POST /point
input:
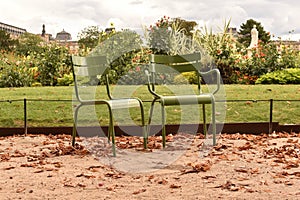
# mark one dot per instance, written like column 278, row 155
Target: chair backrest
column 180, row 63
column 87, row 72
column 166, row 65
column 89, row 66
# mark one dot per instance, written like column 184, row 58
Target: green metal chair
column 86, row 72
column 162, row 65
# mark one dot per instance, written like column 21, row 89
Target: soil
column 238, row 167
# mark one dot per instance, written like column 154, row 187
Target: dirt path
column 239, row 167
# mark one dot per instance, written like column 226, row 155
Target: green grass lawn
column 42, row 110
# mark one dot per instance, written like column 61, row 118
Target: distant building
column 63, row 36
column 233, row 31
column 65, row 39
column 281, row 43
column 12, row 30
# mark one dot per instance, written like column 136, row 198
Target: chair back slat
column 179, row 63
column 89, row 66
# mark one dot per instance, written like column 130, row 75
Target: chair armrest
column 218, row 76
column 150, row 84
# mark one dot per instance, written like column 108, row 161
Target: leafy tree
column 121, row 48
column 245, row 32
column 53, row 62
column 186, row 26
column 29, row 43
column 89, row 37
column 6, row 43
column 161, row 36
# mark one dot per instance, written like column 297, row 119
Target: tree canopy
column 28, row 43
column 6, row 43
column 89, row 37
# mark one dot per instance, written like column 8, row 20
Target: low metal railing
column 270, row 104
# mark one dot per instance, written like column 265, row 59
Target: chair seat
column 187, row 99
column 123, row 103
column 115, row 103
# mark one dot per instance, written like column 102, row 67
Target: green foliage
column 120, row 48
column 66, row 80
column 286, row 76
column 29, row 43
column 222, row 48
column 171, row 36
column 89, row 37
column 6, row 43
column 186, row 78
column 264, row 59
column 245, row 32
column 52, row 63
column 16, row 71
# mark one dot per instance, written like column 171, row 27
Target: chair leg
column 163, row 125
column 204, row 120
column 144, row 131
column 214, row 126
column 73, row 134
column 150, row 117
column 111, row 131
column 74, row 131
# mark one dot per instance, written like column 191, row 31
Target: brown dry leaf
column 47, row 142
column 18, row 153
column 297, row 174
column 9, row 168
column 139, row 191
column 229, row 186
column 19, row 190
column 241, row 169
column 288, row 182
column 198, row 167
column 220, row 147
column 254, row 171
column 29, row 165
column 39, row 171
column 86, row 175
column 208, row 177
column 282, row 174
column 291, row 164
column 110, row 188
column 162, row 181
column 114, row 175
column 95, row 168
column 67, row 184
column 5, row 157
column 81, row 185
column 246, row 146
column 175, row 186
column 150, row 177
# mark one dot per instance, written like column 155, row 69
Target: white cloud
column 277, row 16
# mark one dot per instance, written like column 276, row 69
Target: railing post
column 271, row 117
column 25, row 116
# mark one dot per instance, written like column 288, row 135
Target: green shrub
column 286, row 76
column 52, row 63
column 185, row 78
column 16, row 71
column 66, row 80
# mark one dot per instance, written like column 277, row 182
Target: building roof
column 63, row 35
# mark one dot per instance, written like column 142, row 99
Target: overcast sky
column 279, row 17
